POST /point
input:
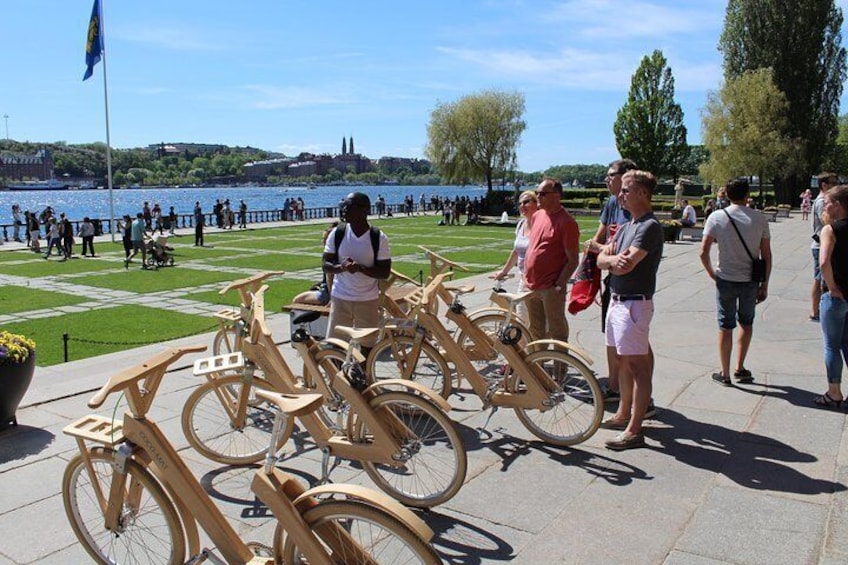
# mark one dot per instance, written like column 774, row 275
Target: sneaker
column 611, row 396
column 651, row 412
column 625, row 441
column 718, row 378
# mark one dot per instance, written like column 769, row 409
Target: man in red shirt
column 552, row 257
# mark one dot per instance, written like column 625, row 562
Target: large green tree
column 476, row 137
column 649, row 127
column 744, row 130
column 802, row 43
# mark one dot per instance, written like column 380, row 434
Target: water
column 77, row 204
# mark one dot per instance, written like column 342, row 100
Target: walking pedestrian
column 137, row 231
column 198, row 225
column 86, row 233
column 826, row 180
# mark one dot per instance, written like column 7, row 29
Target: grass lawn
column 168, row 278
column 229, row 256
column 106, row 331
column 20, row 299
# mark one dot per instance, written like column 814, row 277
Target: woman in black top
column 833, row 259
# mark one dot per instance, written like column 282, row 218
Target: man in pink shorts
column 632, row 260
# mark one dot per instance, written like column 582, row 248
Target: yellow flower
column 15, row 348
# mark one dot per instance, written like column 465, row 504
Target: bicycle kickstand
column 481, row 431
column 325, row 466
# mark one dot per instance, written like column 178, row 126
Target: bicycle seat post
column 271, row 457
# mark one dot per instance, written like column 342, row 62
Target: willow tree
column 744, row 129
column 476, row 137
column 649, row 127
column 802, row 43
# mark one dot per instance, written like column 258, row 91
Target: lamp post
column 6, row 117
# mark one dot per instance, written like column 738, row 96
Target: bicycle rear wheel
column 334, row 411
column 496, row 366
column 149, row 527
column 577, row 405
column 400, row 358
column 225, row 340
column 208, row 422
column 432, row 453
column 380, row 537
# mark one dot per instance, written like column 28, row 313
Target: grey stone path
column 747, row 475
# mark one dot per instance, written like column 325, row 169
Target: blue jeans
column 735, row 300
column 833, row 313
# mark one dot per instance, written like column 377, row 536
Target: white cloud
column 275, row 98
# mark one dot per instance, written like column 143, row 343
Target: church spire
column 344, row 145
column 351, row 146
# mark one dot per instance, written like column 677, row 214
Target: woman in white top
column 527, row 205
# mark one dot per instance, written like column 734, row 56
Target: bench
column 772, row 216
column 695, row 232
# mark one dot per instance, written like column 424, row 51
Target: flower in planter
column 671, row 223
column 15, row 348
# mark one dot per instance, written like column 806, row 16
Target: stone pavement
column 749, row 474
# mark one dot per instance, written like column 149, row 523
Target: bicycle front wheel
column 149, row 529
column 399, row 357
column 431, row 461
column 355, row 533
column 209, row 421
column 576, row 406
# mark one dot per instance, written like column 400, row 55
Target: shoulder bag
column 758, row 266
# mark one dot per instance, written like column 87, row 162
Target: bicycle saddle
column 306, row 317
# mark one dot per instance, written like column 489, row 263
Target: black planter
column 671, row 233
column 14, row 382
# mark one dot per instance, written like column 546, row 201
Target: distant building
column 391, row 165
column 260, row 170
column 33, row 167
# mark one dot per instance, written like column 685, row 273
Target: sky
column 293, row 76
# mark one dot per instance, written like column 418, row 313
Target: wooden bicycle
column 547, row 382
column 397, row 430
column 129, row 496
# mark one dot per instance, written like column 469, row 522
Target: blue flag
column 94, row 41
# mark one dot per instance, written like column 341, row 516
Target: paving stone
column 42, row 530
column 681, row 558
column 31, row 483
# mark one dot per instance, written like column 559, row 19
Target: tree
column 475, row 138
column 802, row 43
column 649, row 127
column 744, row 129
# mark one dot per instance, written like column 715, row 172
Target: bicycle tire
column 576, row 415
column 225, row 341
column 389, row 358
column 490, row 323
column 151, row 531
column 438, row 462
column 329, row 361
column 384, row 538
column 207, row 424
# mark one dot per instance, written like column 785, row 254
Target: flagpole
column 112, row 223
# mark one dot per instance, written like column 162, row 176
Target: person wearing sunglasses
column 632, row 259
column 527, row 206
column 552, row 256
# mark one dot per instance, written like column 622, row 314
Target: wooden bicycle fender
column 375, row 499
column 413, row 388
column 579, row 353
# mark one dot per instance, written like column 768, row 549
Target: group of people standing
column 58, row 231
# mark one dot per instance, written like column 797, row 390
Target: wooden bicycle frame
column 280, row 492
column 538, row 385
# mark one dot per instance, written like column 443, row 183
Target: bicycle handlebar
column 153, row 367
column 447, row 262
column 250, row 281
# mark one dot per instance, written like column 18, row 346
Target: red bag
column 587, row 284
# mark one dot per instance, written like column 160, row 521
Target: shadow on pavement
column 458, row 541
column 20, row 442
column 750, row 460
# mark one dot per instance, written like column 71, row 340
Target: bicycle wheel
column 335, row 410
column 495, row 366
column 207, row 421
column 381, row 538
column 577, row 405
column 149, row 527
column 432, row 456
column 225, row 341
column 399, row 358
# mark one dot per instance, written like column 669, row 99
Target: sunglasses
column 611, row 176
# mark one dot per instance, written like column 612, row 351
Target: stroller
column 159, row 253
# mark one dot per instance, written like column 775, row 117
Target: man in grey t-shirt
column 736, row 294
column 632, row 259
column 826, row 180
